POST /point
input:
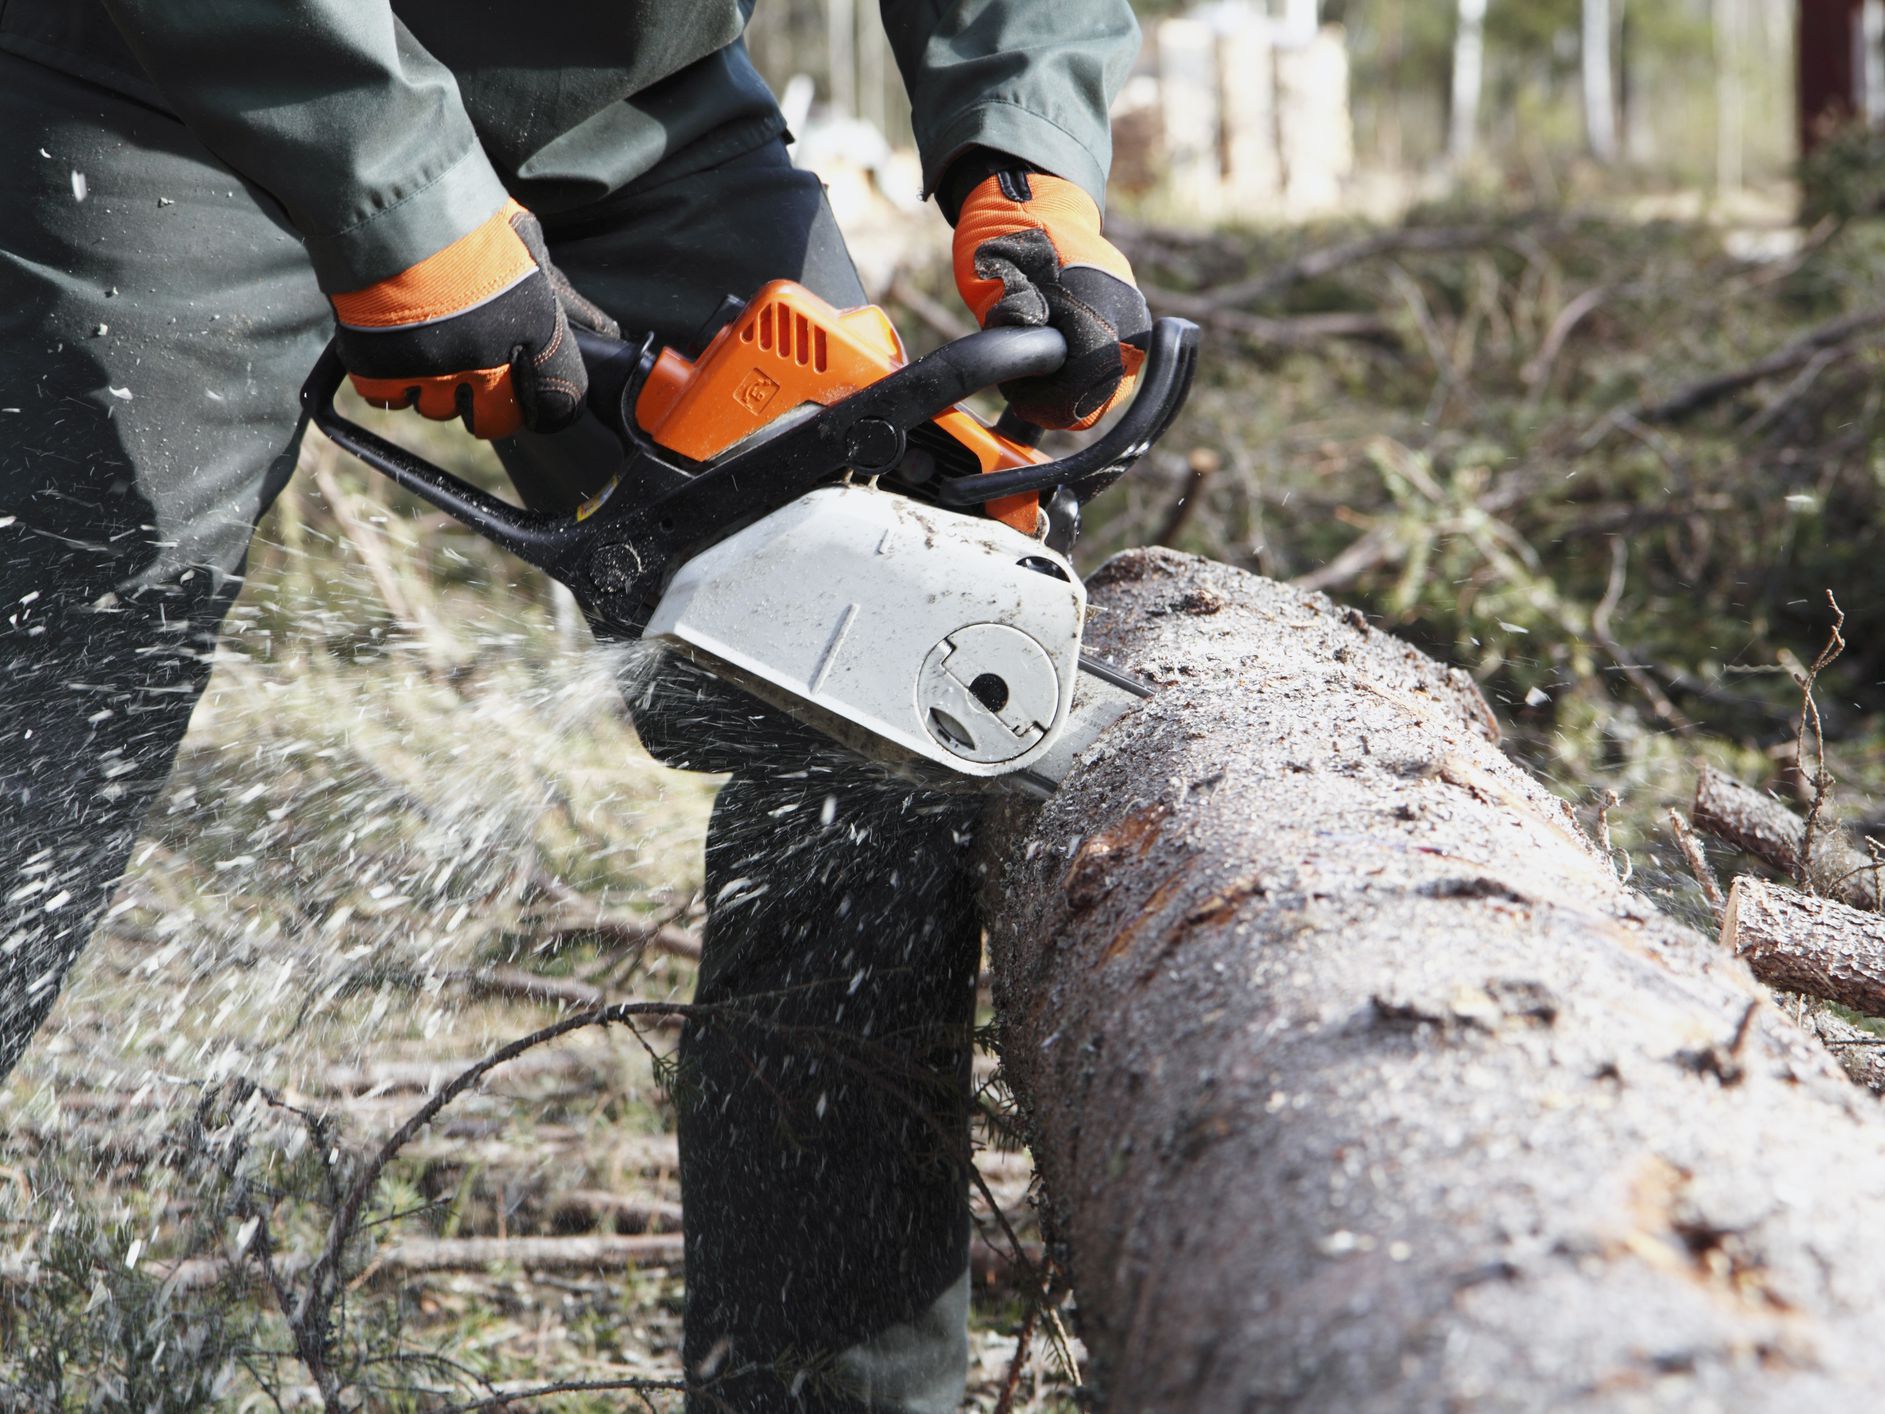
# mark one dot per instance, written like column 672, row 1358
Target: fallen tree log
column 1357, row 1081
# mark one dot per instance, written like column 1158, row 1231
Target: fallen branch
column 596, row 1252
column 1754, row 821
column 1283, row 331
column 989, row 1265
column 1601, row 634
column 1200, row 465
column 529, row 986
column 946, row 321
column 1697, row 860
column 1318, row 264
column 395, row 1077
column 508, row 1395
column 579, row 914
column 1536, row 374
column 1799, row 942
column 323, row 1286
column 1708, row 391
column 600, row 1205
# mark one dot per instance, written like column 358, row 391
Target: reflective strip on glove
column 1028, row 252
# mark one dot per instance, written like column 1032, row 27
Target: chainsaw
column 814, row 518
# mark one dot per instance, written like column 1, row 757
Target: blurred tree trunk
column 1599, row 86
column 1730, row 96
column 1357, row 1081
column 1469, row 66
column 873, row 50
column 841, row 55
column 1830, row 76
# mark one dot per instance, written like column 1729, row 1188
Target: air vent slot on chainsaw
column 791, row 335
column 947, row 456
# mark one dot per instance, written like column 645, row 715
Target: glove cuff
column 968, row 172
column 479, row 266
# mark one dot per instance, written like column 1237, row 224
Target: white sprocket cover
column 951, row 635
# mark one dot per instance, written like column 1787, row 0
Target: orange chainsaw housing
column 787, row 348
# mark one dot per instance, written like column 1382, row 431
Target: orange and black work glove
column 478, row 330
column 1028, row 252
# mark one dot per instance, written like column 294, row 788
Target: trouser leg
column 823, row 1121
column 150, row 337
column 823, row 1107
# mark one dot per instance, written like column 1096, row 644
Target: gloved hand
column 479, row 330
column 1028, row 252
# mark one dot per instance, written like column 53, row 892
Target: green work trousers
column 153, row 335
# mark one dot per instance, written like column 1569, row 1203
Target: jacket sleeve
column 332, row 108
column 1032, row 78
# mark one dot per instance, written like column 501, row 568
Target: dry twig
column 1317, row 264
column 1810, row 714
column 1610, row 802
column 1697, row 860
column 311, row 1315
column 1200, row 465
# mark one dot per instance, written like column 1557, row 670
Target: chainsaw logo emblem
column 756, row 390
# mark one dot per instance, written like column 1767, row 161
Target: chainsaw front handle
column 1171, row 358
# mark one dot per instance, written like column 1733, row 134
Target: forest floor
column 1611, row 468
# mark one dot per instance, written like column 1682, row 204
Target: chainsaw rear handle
column 533, row 536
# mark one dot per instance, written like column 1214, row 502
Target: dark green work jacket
column 389, row 128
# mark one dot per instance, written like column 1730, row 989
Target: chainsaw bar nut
column 988, row 692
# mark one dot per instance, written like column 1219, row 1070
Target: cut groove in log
column 1802, row 943
column 1355, row 1079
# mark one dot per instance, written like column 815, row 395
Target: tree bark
column 1730, row 96
column 1356, row 1080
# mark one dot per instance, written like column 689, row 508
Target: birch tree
column 1599, row 83
column 1469, row 66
